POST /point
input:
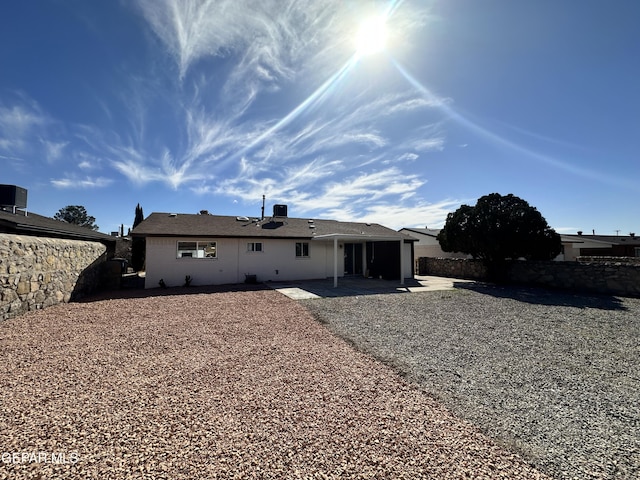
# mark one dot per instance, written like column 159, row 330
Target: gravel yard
column 552, row 376
column 233, row 384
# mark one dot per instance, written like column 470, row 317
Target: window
column 637, row 250
column 254, row 247
column 302, row 249
column 197, row 250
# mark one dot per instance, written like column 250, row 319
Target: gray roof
column 610, row 239
column 430, row 232
column 189, row 225
column 21, row 223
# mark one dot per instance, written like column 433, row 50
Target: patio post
column 335, row 262
column 401, row 262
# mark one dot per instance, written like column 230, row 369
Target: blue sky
column 189, row 105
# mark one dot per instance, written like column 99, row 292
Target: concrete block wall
column 37, row 272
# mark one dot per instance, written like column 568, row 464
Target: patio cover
column 368, row 238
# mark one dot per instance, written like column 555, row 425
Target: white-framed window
column 302, row 249
column 254, row 247
column 197, row 250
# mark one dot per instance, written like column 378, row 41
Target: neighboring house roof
column 21, row 223
column 190, row 225
column 429, row 232
column 603, row 239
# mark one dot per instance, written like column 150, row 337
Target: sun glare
column 372, row 36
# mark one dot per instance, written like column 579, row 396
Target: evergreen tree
column 76, row 215
column 139, row 216
column 498, row 228
column 138, row 244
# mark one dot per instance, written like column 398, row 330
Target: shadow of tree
column 543, row 296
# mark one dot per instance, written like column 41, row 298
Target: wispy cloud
column 419, row 214
column 21, row 119
column 264, row 98
column 85, row 182
column 53, row 150
column 266, row 34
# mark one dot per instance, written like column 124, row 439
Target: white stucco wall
column 572, row 247
column 277, row 261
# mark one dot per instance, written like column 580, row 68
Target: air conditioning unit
column 13, row 196
column 279, row 210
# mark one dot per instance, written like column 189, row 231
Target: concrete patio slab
column 297, row 293
column 355, row 286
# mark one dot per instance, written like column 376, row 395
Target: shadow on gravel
column 164, row 292
column 542, row 296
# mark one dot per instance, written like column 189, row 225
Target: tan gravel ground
column 235, row 384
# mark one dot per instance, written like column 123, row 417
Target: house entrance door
column 353, row 259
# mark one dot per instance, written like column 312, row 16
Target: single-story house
column 574, row 246
column 427, row 244
column 216, row 249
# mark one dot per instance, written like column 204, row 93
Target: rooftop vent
column 242, row 219
column 279, row 210
column 13, row 197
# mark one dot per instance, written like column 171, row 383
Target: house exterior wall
column 276, row 262
column 573, row 250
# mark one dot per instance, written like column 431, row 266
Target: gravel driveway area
column 552, row 376
column 218, row 384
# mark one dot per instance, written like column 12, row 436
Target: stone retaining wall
column 610, row 260
column 452, row 267
column 612, row 276
column 36, row 272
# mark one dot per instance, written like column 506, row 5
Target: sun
column 372, row 36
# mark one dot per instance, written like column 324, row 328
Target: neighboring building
column 214, row 249
column 14, row 219
column 428, row 245
column 574, row 246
